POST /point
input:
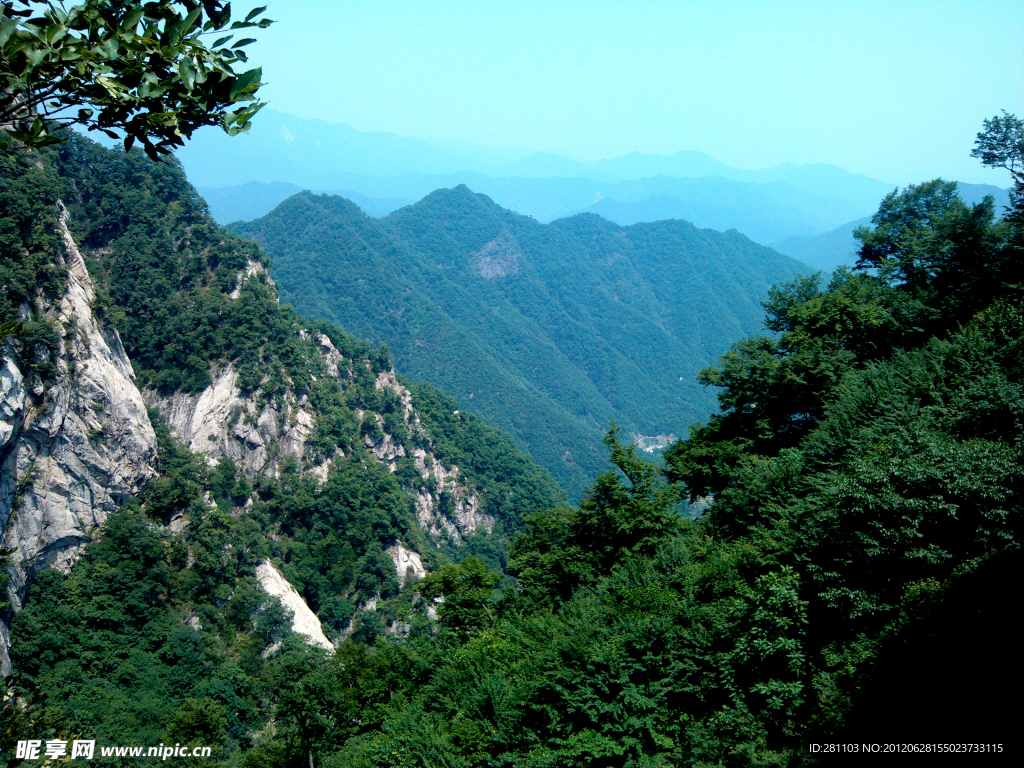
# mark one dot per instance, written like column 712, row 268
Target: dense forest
column 548, row 331
column 862, row 484
column 846, row 582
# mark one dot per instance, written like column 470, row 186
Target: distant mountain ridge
column 766, row 205
column 551, row 331
column 763, row 211
column 245, row 202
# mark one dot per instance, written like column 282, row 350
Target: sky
column 897, row 91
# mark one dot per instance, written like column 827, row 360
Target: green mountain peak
column 550, row 331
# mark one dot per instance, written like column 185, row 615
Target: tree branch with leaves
column 142, row 68
column 1000, row 144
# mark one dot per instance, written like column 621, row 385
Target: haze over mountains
column 388, row 171
column 550, row 331
column 519, row 336
column 382, row 172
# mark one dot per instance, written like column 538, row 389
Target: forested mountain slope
column 847, row 583
column 549, row 331
column 142, row 543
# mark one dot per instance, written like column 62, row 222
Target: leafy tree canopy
column 1000, row 144
column 143, row 68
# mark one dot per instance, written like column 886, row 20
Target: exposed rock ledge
column 74, row 452
column 406, row 560
column 304, row 621
column 220, row 421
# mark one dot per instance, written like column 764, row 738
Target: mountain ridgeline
column 549, row 331
column 296, row 558
column 765, row 205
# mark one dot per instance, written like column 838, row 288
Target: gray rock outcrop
column 77, row 447
column 73, row 449
column 408, row 564
column 222, row 422
column 304, row 621
column 446, row 508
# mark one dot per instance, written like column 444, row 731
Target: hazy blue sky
column 895, row 90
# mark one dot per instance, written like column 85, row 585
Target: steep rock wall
column 408, row 564
column 304, row 621
column 74, row 449
column 445, row 507
column 222, row 422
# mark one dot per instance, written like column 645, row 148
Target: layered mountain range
column 230, row 525
column 381, row 172
column 550, row 331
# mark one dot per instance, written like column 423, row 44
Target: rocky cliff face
column 445, row 507
column 304, row 621
column 222, row 421
column 74, row 449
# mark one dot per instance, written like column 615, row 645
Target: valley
column 228, row 518
column 324, row 447
column 548, row 331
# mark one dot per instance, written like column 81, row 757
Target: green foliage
column 164, row 271
column 198, row 721
column 466, row 591
column 862, row 488
column 142, row 68
column 27, row 266
column 549, row 331
column 864, row 497
column 941, row 253
column 507, row 481
column 563, row 549
column 1001, row 145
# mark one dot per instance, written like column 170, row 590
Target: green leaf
column 11, row 329
column 244, row 41
column 246, row 83
column 109, row 48
column 131, row 21
column 255, row 12
column 34, row 56
column 238, row 121
column 32, row 31
column 55, row 32
column 190, row 20
column 187, row 71
column 7, row 28
column 218, row 43
column 111, row 86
